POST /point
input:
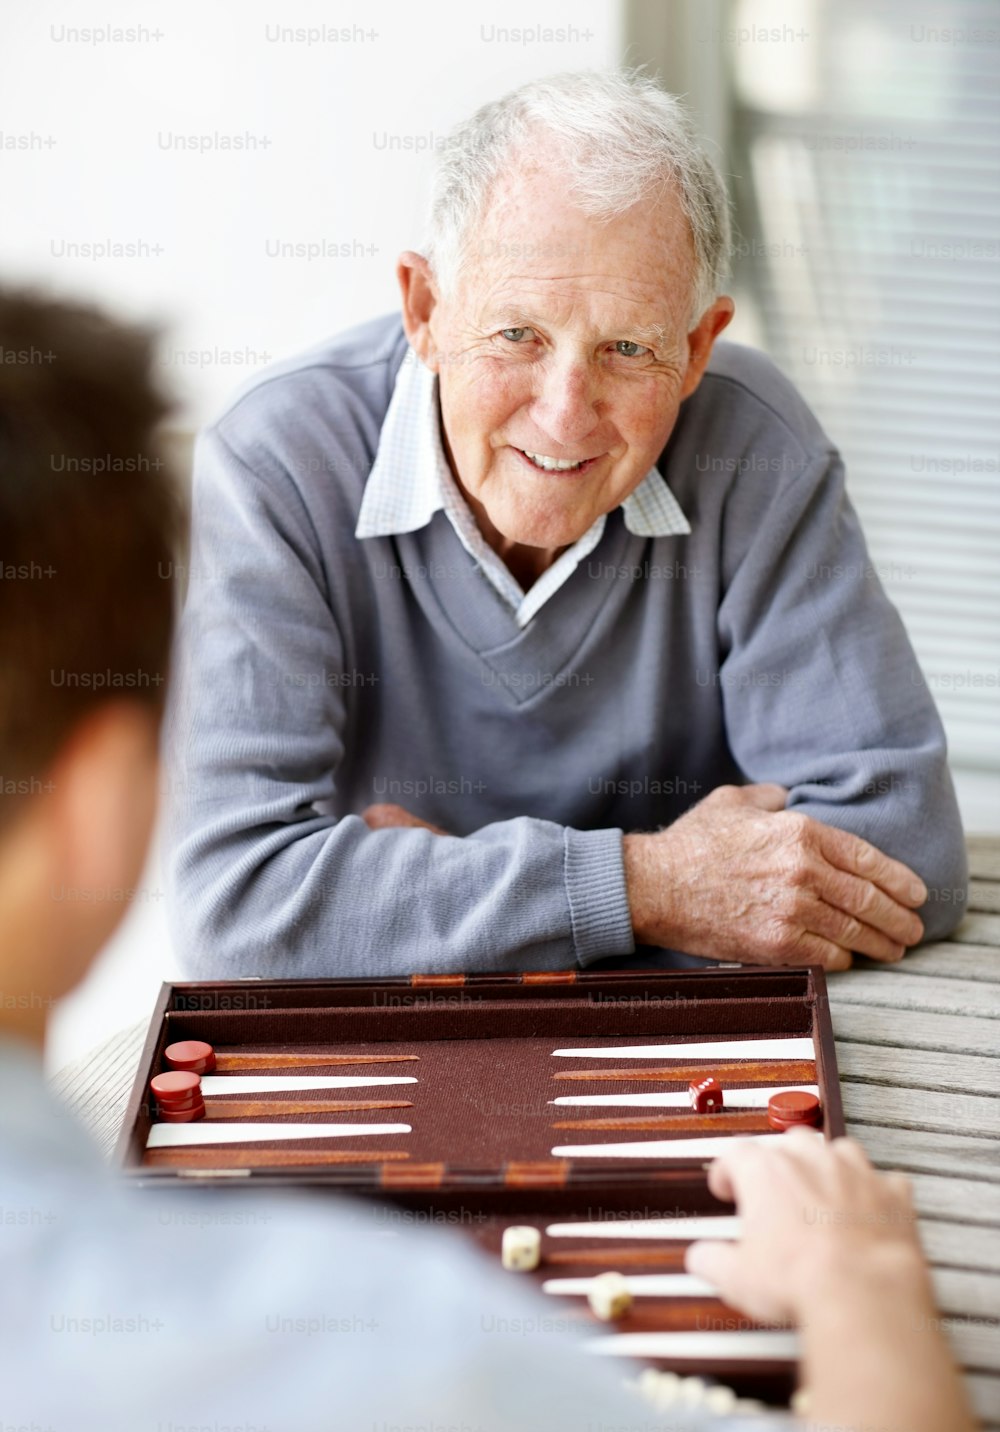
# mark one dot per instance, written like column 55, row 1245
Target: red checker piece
column 192, row 1055
column 174, row 1106
column 175, row 1087
column 183, row 1116
column 706, row 1095
column 793, row 1108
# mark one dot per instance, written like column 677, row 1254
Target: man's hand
column 814, row 1213
column 740, row 878
column 393, row 817
column 832, row 1246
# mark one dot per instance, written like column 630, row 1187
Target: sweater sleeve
column 260, row 880
column 821, row 689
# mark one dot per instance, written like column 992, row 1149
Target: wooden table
column 919, row 1051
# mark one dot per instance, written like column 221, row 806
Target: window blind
column 868, row 195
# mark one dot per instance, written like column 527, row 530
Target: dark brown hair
column 88, row 523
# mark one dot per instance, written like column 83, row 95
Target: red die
column 706, row 1095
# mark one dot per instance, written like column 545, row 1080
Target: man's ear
column 104, row 798
column 701, row 339
column 419, row 294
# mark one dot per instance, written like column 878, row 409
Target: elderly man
column 528, row 630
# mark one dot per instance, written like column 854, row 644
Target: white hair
column 620, row 139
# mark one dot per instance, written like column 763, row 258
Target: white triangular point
column 644, row 1285
column 754, row 1345
column 726, row 1226
column 722, row 1050
column 213, row 1084
column 657, row 1148
column 167, row 1136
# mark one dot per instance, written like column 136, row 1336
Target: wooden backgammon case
column 477, row 1107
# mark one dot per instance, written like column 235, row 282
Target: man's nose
column 568, row 403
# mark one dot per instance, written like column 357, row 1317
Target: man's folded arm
column 262, row 881
column 822, row 690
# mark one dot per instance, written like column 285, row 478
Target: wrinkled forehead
column 532, row 241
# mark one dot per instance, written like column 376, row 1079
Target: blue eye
column 514, row 334
column 628, row 349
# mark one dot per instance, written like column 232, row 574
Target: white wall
column 315, row 119
column 84, row 127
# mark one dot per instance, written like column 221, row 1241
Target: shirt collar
column 410, row 478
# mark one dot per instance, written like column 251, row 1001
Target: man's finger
column 851, row 933
column 717, row 1263
column 811, row 949
column 851, row 853
column 386, row 816
column 764, row 795
column 870, row 904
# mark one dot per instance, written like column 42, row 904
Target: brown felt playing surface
column 482, row 1055
column 478, row 1103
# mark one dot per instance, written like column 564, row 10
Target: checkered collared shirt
column 411, row 480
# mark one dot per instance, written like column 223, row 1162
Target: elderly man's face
column 566, row 342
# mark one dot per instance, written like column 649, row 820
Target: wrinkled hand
column 388, row 817
column 740, row 878
column 813, row 1212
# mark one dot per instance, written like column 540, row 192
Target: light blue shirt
column 127, row 1311
column 411, row 480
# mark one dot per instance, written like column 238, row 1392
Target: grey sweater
column 319, row 673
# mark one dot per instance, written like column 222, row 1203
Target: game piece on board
column 719, row 1399
column 789, row 1110
column 609, row 1296
column 521, row 1249
column 183, row 1116
column 659, row 1388
column 175, row 1087
column 185, row 1101
column 191, row 1055
column 705, row 1095
column 691, row 1392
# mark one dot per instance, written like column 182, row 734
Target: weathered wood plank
column 914, row 1029
column 918, row 1068
column 946, row 959
column 919, row 993
column 922, row 1109
column 921, row 1151
column 984, row 895
column 984, row 1394
column 960, row 1245
column 964, row 1200
column 977, row 929
column 984, row 856
column 97, row 1087
column 975, row 1344
column 971, row 1294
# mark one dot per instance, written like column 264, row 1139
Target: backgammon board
column 558, row 1101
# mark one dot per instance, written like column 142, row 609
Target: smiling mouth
column 541, row 463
